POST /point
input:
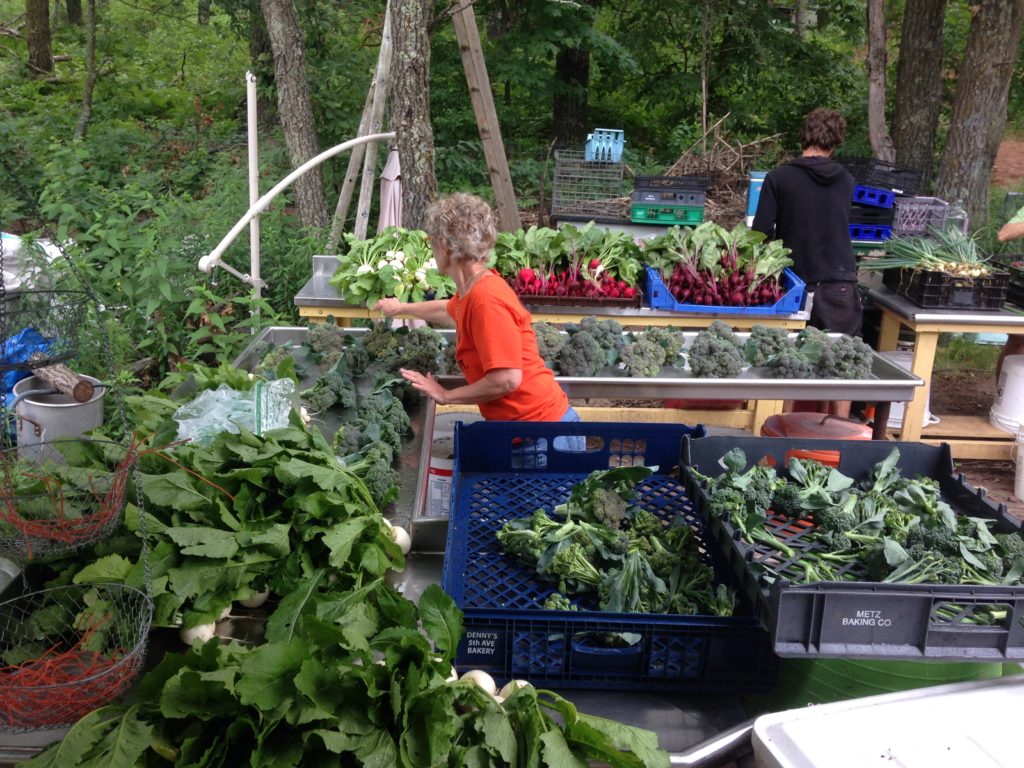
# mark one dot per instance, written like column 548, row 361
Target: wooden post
column 480, row 94
column 380, row 92
column 63, row 379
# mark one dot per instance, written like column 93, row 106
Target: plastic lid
column 815, row 425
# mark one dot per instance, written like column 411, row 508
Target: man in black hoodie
column 806, row 204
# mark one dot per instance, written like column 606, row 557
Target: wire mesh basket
column 69, row 650
column 40, row 328
column 60, row 495
column 583, row 187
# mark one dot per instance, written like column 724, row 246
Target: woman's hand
column 426, row 383
column 389, row 307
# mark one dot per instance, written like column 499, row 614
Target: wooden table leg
column 889, row 333
column 763, row 409
column 880, row 425
column 925, row 344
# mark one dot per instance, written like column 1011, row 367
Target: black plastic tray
column 861, row 619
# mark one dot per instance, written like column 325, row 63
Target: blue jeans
column 574, row 443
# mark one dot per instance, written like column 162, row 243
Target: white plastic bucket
column 1008, row 407
column 439, row 477
column 905, row 359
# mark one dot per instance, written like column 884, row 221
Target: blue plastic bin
column 873, row 233
column 506, row 470
column 605, row 145
column 879, row 198
column 658, row 296
column 754, row 191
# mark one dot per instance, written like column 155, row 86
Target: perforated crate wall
column 582, row 187
column 917, row 216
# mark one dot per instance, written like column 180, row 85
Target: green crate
column 666, row 214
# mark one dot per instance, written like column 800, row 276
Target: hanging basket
column 54, row 499
column 67, row 651
column 40, row 328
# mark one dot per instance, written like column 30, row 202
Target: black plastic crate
column 670, row 190
column 506, row 470
column 860, row 214
column 937, row 289
column 1014, row 266
column 878, row 173
column 670, row 182
column 861, row 619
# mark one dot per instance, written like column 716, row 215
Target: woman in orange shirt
column 495, row 344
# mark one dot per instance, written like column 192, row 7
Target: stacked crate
column 874, row 206
column 669, row 200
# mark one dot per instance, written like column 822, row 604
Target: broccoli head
column 421, row 350
column 607, row 333
column 643, row 357
column 1012, row 546
column 713, row 356
column 333, row 388
column 764, row 342
column 846, row 357
column 790, row 363
column 724, row 331
column 327, row 342
column 556, row 601
column 381, row 342
column 668, row 339
column 581, row 355
column 549, row 342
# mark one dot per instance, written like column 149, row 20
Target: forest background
column 122, row 122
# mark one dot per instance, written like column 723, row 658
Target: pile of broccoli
column 591, row 345
column 885, row 528
column 716, row 353
column 813, row 353
column 549, row 342
column 616, row 555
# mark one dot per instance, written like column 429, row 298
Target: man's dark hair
column 823, row 129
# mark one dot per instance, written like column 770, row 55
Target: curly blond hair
column 466, row 225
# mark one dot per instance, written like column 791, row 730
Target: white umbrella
column 390, row 193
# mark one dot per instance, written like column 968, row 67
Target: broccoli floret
column 938, row 538
column 1012, row 546
column 327, row 342
column 726, row 501
column 268, row 365
column 549, row 342
column 556, row 601
column 581, row 355
column 787, row 500
column 381, row 343
column 846, row 357
column 607, row 508
column 712, row 356
column 373, row 464
column 421, row 350
column 333, row 388
column 668, row 339
column 643, row 358
column 724, row 331
column 838, row 520
column 575, row 573
column 645, row 523
column 790, row 363
column 763, row 343
column 607, row 333
column 349, row 438
column 451, row 365
column 812, row 335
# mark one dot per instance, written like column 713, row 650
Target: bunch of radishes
column 592, row 282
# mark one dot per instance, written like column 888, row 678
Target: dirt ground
column 970, row 393
column 1008, row 170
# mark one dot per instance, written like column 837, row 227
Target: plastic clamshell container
column 507, row 470
column 943, row 726
column 792, row 301
column 861, row 619
column 880, row 198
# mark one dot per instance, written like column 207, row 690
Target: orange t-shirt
column 492, row 330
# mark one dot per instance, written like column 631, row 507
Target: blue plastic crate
column 605, row 145
column 879, row 198
column 873, row 233
column 658, row 296
column 506, row 470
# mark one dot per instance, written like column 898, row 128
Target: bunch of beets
column 593, row 281
column 725, row 286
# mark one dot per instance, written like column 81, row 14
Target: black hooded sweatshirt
column 806, row 204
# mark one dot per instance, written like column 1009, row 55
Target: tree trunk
column 409, row 102
column 90, row 71
column 978, row 117
column 74, row 11
column 37, row 35
column 881, row 144
column 571, row 106
column 295, row 107
column 261, row 57
column 918, row 95
column 203, row 12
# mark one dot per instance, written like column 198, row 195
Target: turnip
column 401, row 538
column 482, row 680
column 256, row 600
column 512, row 686
column 202, row 632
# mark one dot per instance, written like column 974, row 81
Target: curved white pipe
column 210, row 260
